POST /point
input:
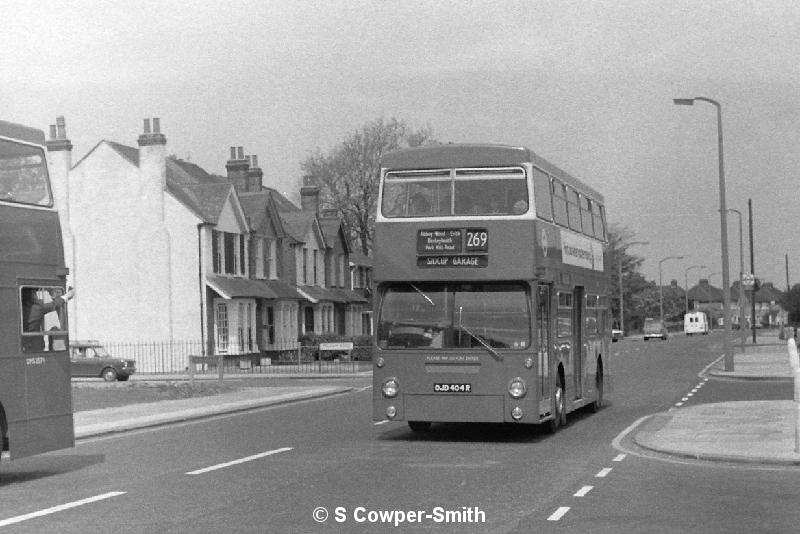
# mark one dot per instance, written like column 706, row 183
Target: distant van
column 695, row 323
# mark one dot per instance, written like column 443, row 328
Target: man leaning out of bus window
column 33, row 311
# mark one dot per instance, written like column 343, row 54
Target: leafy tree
column 791, row 303
column 348, row 175
column 633, row 283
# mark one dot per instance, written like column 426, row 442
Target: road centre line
column 239, row 461
column 603, row 472
column 558, row 514
column 583, row 491
column 59, row 508
column 619, row 457
column 381, row 422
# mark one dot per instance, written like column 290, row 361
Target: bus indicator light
column 516, row 413
column 391, row 411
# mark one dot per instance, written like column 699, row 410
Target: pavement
column 755, row 432
column 760, row 432
column 90, row 423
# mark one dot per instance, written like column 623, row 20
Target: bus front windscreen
column 454, row 315
column 23, row 174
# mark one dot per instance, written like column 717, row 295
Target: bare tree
column 348, row 175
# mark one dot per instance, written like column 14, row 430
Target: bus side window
column 43, row 312
column 541, row 195
column 559, row 203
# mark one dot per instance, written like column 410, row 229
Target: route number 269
column 477, row 239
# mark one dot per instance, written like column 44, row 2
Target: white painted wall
column 104, row 215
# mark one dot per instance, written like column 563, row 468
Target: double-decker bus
column 35, row 389
column 491, row 298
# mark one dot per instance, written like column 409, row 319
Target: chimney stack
column 59, row 155
column 254, row 175
column 309, row 196
column 153, row 167
column 237, row 168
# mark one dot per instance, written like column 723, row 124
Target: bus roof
column 23, row 133
column 478, row 155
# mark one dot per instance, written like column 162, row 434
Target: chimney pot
column 233, row 152
column 156, row 125
column 52, row 131
column 147, row 126
column 61, row 127
column 254, row 161
column 241, row 152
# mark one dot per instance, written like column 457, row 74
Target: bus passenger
column 33, row 312
column 520, row 207
column 419, row 205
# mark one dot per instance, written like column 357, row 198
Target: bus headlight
column 379, row 362
column 528, row 363
column 390, row 388
column 517, row 388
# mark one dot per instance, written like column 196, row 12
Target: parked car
column 654, row 328
column 616, row 335
column 90, row 359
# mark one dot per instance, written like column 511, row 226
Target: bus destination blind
column 453, row 247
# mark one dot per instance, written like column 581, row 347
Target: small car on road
column 653, row 328
column 616, row 335
column 90, row 359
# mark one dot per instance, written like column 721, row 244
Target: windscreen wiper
column 426, row 297
column 497, row 355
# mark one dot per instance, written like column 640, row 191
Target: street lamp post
column 686, row 282
column 741, row 278
column 621, row 292
column 661, row 286
column 723, row 227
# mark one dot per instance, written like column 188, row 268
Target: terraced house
column 169, row 260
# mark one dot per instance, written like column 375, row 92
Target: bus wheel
column 419, row 426
column 598, row 403
column 559, row 410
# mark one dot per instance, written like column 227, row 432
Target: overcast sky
column 586, row 85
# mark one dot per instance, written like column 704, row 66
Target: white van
column 695, row 323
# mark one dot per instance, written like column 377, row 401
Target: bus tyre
column 559, row 410
column 599, row 386
column 109, row 374
column 419, row 426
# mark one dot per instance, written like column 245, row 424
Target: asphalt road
column 273, row 470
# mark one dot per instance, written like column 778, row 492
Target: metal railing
column 165, row 357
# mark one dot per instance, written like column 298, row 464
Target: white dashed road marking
column 59, row 508
column 583, row 491
column 558, row 514
column 603, row 472
column 239, row 461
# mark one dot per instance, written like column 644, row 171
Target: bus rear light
column 517, row 388
column 379, row 362
column 390, row 388
column 391, row 411
column 528, row 363
column 516, row 413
